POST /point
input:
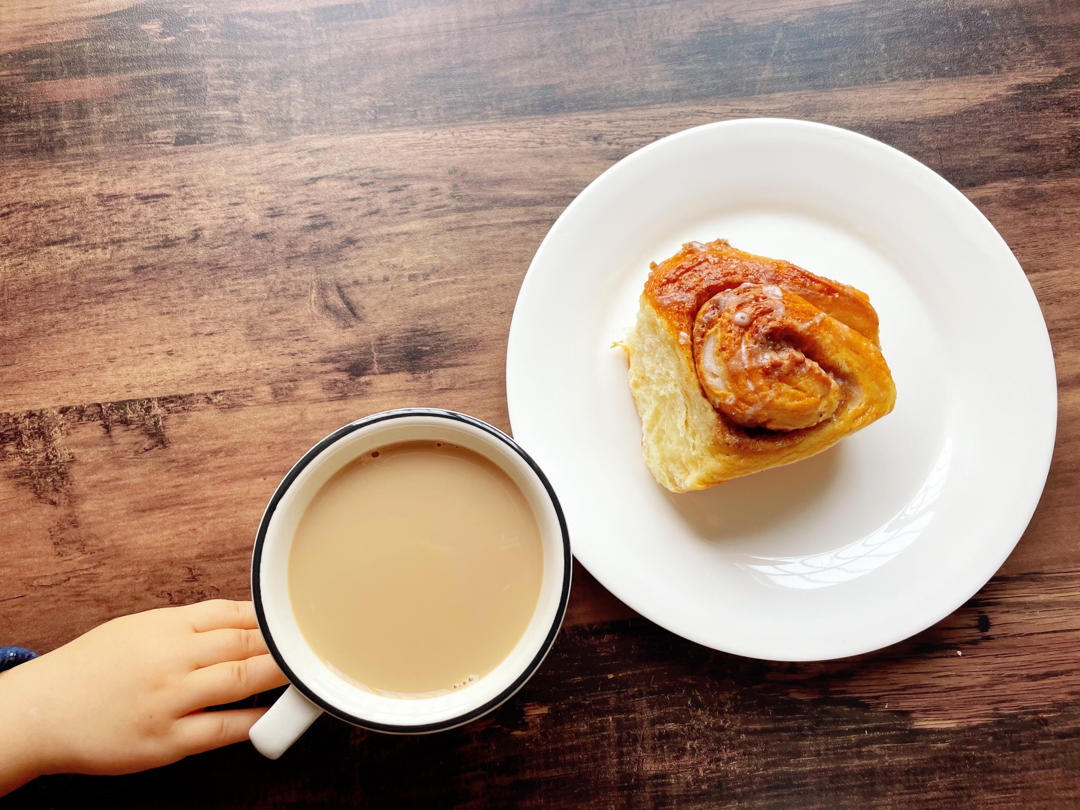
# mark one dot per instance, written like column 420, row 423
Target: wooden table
column 229, row 227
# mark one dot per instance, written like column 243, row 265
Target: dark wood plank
column 212, row 73
column 226, row 229
column 225, row 267
column 627, row 715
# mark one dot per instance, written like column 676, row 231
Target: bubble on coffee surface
column 464, row 682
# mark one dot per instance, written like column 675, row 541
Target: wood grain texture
column 627, row 715
column 227, row 228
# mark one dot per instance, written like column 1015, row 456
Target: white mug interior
column 337, row 694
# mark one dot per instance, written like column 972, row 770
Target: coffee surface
column 416, row 568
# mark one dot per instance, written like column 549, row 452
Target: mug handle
column 290, row 716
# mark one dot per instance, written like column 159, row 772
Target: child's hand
column 128, row 695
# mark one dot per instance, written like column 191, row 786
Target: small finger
column 203, row 731
column 230, row 681
column 216, row 614
column 228, row 644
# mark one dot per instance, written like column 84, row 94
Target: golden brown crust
column 678, row 286
column 740, row 363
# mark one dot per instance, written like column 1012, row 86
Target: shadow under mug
column 315, row 687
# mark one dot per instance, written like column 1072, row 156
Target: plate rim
column 1041, row 466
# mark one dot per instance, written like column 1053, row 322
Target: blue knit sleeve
column 13, row 656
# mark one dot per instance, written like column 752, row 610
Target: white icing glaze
column 716, row 376
column 741, row 318
column 773, row 291
column 744, row 362
column 683, row 338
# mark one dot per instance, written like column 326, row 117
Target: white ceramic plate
column 856, row 548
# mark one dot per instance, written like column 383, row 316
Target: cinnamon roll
column 738, row 363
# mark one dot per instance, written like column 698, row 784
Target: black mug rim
column 286, row 483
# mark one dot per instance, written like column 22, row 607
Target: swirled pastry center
column 739, row 363
column 759, row 361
